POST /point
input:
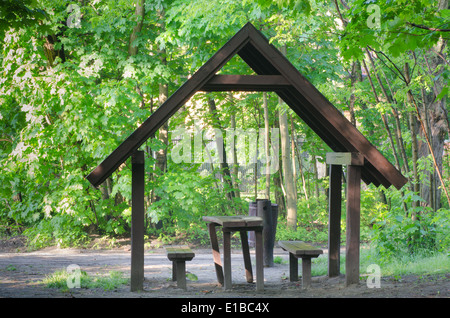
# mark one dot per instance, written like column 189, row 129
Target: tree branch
column 424, row 27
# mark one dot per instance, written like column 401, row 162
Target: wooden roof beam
column 256, row 83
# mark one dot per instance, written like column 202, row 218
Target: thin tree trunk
column 383, row 117
column 278, row 182
column 235, row 165
column 415, row 154
column 294, row 169
column 355, row 76
column 291, row 209
column 140, row 13
column 266, row 144
column 225, row 169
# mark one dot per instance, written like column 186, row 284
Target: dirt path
column 21, row 276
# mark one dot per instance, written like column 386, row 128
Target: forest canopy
column 78, row 77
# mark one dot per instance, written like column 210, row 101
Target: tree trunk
column 291, row 210
column 278, row 182
column 225, row 169
column 435, row 122
column 140, row 13
column 266, row 144
column 355, row 76
column 161, row 155
column 415, row 155
column 235, row 165
column 294, row 168
column 383, row 116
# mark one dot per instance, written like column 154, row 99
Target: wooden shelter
column 274, row 73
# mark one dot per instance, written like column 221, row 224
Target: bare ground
column 21, row 275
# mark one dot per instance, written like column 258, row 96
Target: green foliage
column 395, row 234
column 70, row 94
column 185, row 196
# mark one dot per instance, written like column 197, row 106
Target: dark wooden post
column 137, row 220
column 334, row 220
column 353, row 224
column 354, row 161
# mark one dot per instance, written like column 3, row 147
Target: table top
column 235, row 221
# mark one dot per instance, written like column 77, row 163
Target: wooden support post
column 137, row 220
column 334, row 220
column 353, row 224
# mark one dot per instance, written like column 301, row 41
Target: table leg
column 246, row 254
column 259, row 261
column 227, row 258
column 216, row 252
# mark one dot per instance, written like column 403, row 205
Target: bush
column 394, row 234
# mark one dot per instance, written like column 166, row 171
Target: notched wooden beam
column 345, row 158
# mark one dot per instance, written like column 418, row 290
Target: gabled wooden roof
column 275, row 73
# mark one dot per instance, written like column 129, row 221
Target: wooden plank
column 260, row 83
column 235, row 221
column 299, row 248
column 175, row 252
column 345, row 158
column 137, row 220
column 353, row 225
column 334, row 220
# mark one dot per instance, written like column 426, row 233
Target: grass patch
column 418, row 264
column 63, row 280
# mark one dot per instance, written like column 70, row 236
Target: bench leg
column 293, row 268
column 246, row 254
column 306, row 272
column 181, row 274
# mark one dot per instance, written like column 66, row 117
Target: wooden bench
column 298, row 249
column 179, row 255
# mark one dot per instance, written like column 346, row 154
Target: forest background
column 77, row 77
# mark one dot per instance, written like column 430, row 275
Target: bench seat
column 305, row 251
column 179, row 255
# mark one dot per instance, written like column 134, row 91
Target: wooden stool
column 298, row 249
column 179, row 255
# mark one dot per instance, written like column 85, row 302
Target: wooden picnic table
column 242, row 224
